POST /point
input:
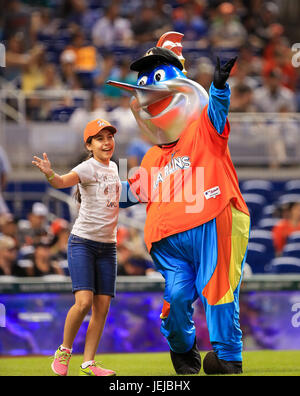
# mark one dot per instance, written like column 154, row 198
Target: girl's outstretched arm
column 56, row 181
column 127, row 198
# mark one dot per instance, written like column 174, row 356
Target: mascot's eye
column 159, row 75
column 143, row 80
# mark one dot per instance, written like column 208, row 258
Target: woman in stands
column 286, row 226
column 92, row 256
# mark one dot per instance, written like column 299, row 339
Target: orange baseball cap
column 93, row 127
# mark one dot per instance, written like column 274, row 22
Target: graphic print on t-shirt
column 108, row 186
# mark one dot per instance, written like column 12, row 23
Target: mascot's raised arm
column 197, row 224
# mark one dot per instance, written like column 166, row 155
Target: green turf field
column 261, row 363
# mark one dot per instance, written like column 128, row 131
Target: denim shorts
column 92, row 265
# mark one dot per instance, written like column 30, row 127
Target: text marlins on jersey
column 171, row 167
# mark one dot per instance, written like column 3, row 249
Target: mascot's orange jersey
column 189, row 183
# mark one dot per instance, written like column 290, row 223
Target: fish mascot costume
column 197, row 224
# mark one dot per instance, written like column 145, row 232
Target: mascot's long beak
column 144, row 94
column 126, row 87
column 164, row 110
column 150, row 94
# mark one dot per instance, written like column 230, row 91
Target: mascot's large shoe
column 213, row 365
column 187, row 363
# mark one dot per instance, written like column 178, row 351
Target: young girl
column 92, row 243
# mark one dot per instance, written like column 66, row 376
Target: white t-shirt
column 100, row 189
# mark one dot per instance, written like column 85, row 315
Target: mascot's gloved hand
column 222, row 73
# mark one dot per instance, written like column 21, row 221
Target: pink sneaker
column 95, row 370
column 61, row 361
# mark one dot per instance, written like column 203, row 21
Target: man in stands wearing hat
column 35, row 226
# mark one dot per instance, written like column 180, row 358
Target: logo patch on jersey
column 177, row 163
column 212, row 192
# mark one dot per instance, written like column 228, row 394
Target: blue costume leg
column 206, row 261
column 220, row 295
column 174, row 257
column 180, row 293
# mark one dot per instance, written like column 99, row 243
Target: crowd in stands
column 80, row 44
column 37, row 246
column 72, row 45
column 287, row 225
column 274, row 244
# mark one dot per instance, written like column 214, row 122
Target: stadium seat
column 261, row 187
column 267, row 223
column 288, row 198
column 262, row 236
column 226, row 53
column 260, row 250
column 285, row 265
column 292, row 187
column 268, row 211
column 291, row 250
column 255, row 203
column 86, row 79
column 294, row 237
column 62, row 114
column 258, row 257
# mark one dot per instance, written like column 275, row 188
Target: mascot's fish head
column 165, row 102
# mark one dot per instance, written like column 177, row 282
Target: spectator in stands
column 51, row 78
column 260, row 15
column 286, row 226
column 133, row 259
column 121, row 116
column 5, row 168
column 241, row 75
column 188, row 20
column 146, row 26
column 35, row 228
column 9, row 226
column 119, row 72
column 226, row 31
column 133, row 266
column 111, row 29
column 8, row 257
column 42, row 263
column 44, row 25
column 33, row 73
column 68, row 73
column 16, row 20
column 241, row 99
column 107, row 68
column 85, row 58
column 273, row 96
column 81, row 116
column 136, row 150
column 203, row 73
column 76, row 12
column 281, row 59
column 60, row 230
column 254, row 62
column 17, row 58
column 163, row 10
column 275, row 39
